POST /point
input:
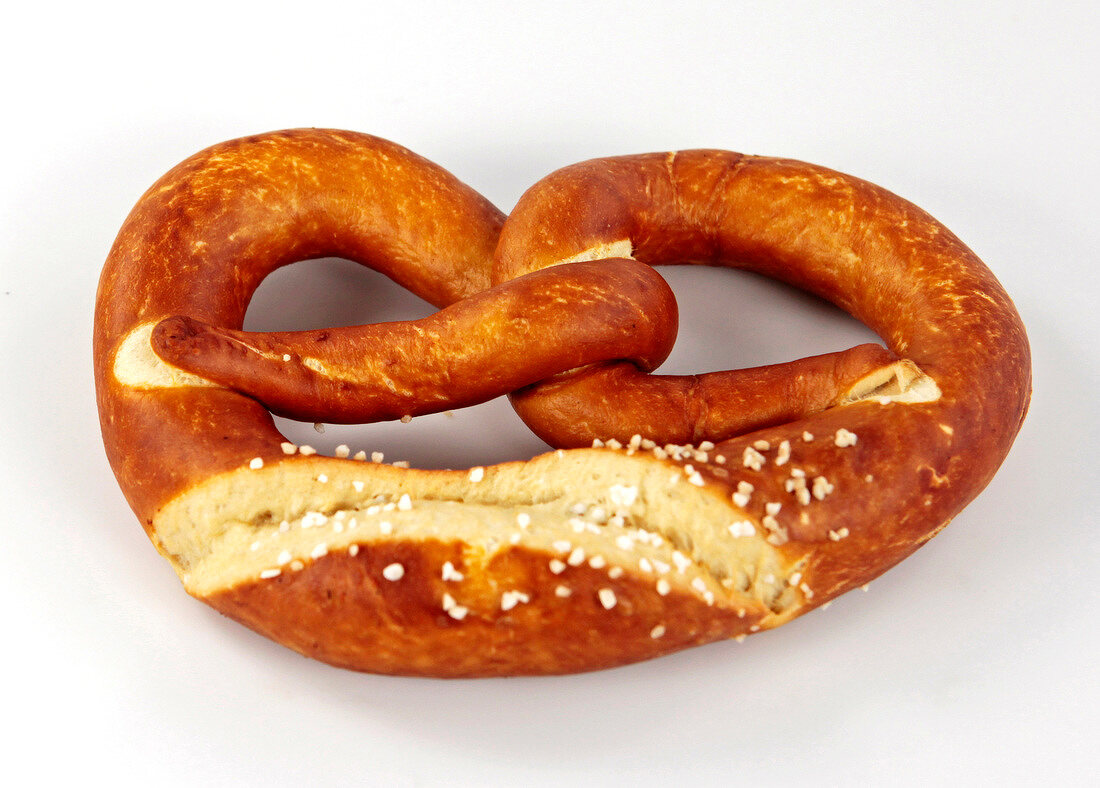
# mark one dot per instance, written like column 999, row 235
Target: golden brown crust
column 574, row 560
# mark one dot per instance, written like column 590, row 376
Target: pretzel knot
column 701, row 507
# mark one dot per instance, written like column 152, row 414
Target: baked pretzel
column 573, row 560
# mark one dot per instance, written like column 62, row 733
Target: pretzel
column 577, row 559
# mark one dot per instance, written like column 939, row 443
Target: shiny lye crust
column 678, row 511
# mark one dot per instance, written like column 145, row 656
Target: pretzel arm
column 474, row 350
column 619, row 400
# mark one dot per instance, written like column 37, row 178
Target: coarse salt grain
column 256, row 463
column 477, row 473
column 623, row 495
column 393, row 572
column 822, row 487
column 452, row 608
column 509, row 599
column 777, row 534
column 607, row 598
column 752, row 459
column 742, row 528
column 845, row 438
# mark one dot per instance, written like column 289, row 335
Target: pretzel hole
column 732, row 319
column 329, row 292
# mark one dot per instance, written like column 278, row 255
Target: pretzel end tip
column 172, row 331
column 191, row 344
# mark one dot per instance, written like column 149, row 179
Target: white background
column 972, row 662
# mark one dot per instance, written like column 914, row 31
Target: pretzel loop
column 691, row 207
